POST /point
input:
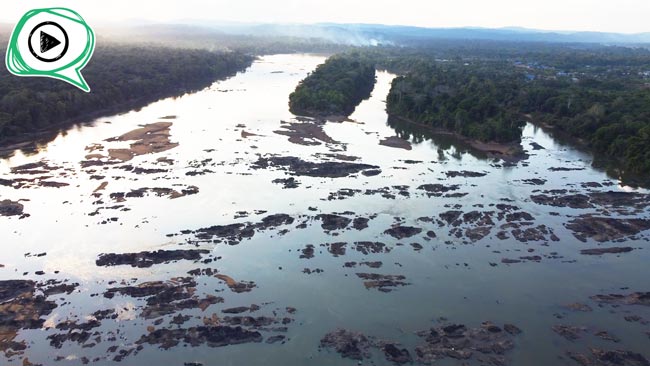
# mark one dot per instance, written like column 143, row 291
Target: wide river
column 387, row 232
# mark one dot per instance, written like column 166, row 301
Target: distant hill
column 368, row 34
column 345, row 34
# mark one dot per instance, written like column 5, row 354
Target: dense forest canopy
column 121, row 77
column 336, row 87
column 475, row 101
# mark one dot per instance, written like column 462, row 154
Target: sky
column 620, row 16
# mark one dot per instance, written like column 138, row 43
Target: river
column 496, row 254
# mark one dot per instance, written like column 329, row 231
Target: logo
column 52, row 42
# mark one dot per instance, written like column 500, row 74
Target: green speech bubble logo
column 51, row 42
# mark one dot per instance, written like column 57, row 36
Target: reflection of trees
column 602, row 162
column 417, row 133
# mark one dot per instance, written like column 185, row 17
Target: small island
column 335, row 88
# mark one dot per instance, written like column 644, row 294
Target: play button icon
column 52, row 41
column 48, row 42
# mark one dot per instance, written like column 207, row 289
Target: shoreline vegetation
column 122, row 78
column 335, row 88
column 481, row 91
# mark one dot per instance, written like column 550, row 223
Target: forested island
column 121, row 77
column 477, row 102
column 335, row 88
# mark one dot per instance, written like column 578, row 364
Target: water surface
column 449, row 277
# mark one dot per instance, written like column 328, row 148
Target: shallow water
column 449, row 277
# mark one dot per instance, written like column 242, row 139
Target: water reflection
column 418, row 134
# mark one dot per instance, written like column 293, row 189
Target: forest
column 477, row 102
column 600, row 96
column 336, row 87
column 121, row 78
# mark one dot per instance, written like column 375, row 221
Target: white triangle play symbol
column 48, row 42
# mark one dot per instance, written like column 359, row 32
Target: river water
column 235, row 123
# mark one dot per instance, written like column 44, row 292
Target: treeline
column 336, row 87
column 121, row 77
column 476, row 101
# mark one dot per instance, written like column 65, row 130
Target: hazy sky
column 625, row 16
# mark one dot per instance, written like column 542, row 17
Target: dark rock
column 579, row 307
column 53, row 287
column 416, row 246
column 519, row 216
column 370, row 247
column 600, row 357
column 348, row 344
column 332, row 222
column 635, row 298
column 564, row 169
column 235, row 286
column 607, row 336
column 569, row 332
column 147, row 259
column 451, row 217
column 534, row 181
column 536, row 146
column 456, row 341
column 275, row 339
column 604, row 229
column 438, row 189
column 274, row 220
column 11, row 208
column 464, row 173
column 383, row 283
column 212, row 336
column 401, row 232
column 287, row 183
column 337, row 249
column 297, row 166
column 512, row 329
column 236, row 310
column 572, row 201
column 397, row 355
column 510, row 261
column 307, row 252
column 20, row 308
column 360, row 223
column 601, row 251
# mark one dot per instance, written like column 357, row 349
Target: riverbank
column 31, row 140
column 511, row 152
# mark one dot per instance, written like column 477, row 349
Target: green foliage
column 336, row 87
column 120, row 77
column 475, row 100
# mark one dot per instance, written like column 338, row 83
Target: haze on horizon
column 622, row 16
